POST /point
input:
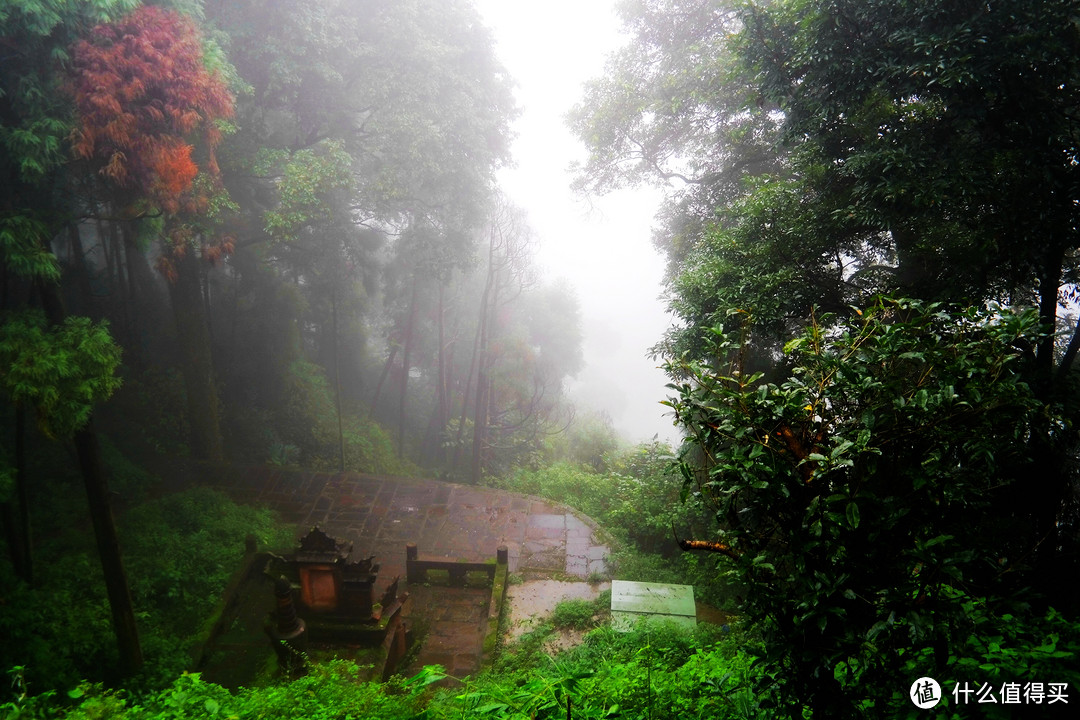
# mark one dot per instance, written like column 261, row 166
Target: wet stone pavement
column 379, row 515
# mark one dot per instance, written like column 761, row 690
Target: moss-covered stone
column 495, row 613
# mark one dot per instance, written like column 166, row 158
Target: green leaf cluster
column 180, row 550
column 331, row 691
column 22, row 249
column 308, row 178
column 61, row 371
column 655, row 670
column 866, row 498
column 35, row 120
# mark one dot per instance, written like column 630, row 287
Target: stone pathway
column 379, row 515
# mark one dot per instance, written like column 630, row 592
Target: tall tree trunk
column 441, row 389
column 204, row 283
column 437, row 426
column 405, row 352
column 1045, row 495
column 118, row 290
column 141, row 305
column 107, row 255
column 481, row 408
column 473, row 361
column 337, row 379
column 382, row 377
column 915, row 266
column 80, row 268
column 1049, row 283
column 22, row 487
column 196, row 360
column 17, row 525
column 97, row 492
column 116, row 583
column 132, row 258
column 465, row 400
column 12, row 537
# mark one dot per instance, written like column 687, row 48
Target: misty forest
column 258, row 274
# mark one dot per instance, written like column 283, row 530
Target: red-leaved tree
column 147, row 112
column 144, row 95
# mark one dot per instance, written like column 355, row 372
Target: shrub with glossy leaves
column 865, row 499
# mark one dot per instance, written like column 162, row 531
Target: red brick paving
column 380, row 514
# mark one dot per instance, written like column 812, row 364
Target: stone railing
column 416, row 572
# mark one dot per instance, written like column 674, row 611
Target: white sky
column 602, row 245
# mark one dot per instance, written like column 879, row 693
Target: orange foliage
column 144, row 99
column 166, row 265
column 173, row 171
column 214, row 252
column 143, row 96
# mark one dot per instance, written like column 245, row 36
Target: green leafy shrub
column 183, row 548
column 658, row 671
column 179, row 551
column 861, row 493
column 573, row 614
column 331, row 690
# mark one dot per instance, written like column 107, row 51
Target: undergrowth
column 179, row 551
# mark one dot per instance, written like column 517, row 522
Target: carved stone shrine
column 335, row 601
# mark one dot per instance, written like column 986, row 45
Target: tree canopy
column 821, row 158
column 869, row 502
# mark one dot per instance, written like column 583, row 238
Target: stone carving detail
column 317, row 546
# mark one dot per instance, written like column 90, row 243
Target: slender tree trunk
column 441, row 389
column 116, row 247
column 480, row 421
column 138, row 305
column 230, row 345
column 915, row 273
column 22, row 486
column 204, row 283
column 1049, row 283
column 473, row 362
column 13, row 538
column 337, row 379
column 106, row 254
column 1045, row 494
column 405, row 352
column 481, row 407
column 382, row 377
column 435, row 435
column 7, row 510
column 131, row 259
column 437, row 427
column 465, row 400
column 17, row 526
column 116, row 584
column 82, row 271
column 196, row 361
column 121, row 281
column 97, row 492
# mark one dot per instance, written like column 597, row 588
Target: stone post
column 413, row 574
